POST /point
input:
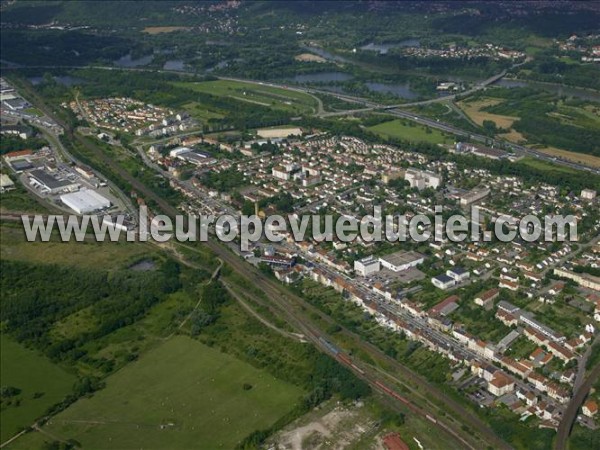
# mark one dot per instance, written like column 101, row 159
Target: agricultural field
column 475, row 110
column 20, row 200
column 40, row 382
column 403, row 129
column 561, row 127
column 263, row 95
column 201, row 112
column 179, row 395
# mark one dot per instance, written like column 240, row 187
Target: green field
column 31, row 373
column 403, row 129
column 182, row 394
column 88, row 254
column 20, row 200
column 544, row 165
column 34, row 111
column 276, row 98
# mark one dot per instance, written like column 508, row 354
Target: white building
column 588, row 194
column 280, row 173
column 85, row 201
column 443, row 282
column 458, row 274
column 422, row 179
column 473, row 196
column 367, row 266
column 501, row 384
column 6, row 183
column 590, row 408
column 399, row 261
column 179, row 151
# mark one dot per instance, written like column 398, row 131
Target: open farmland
column 402, row 129
column 41, row 384
column 475, row 110
column 182, row 394
column 276, row 98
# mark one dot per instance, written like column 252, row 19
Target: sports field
column 180, row 395
column 400, row 129
column 259, row 94
column 41, row 383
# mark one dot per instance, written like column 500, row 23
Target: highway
column 296, row 310
column 280, row 296
column 518, row 149
column 369, row 106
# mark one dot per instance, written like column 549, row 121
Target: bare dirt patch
column 513, row 136
column 309, row 57
column 338, row 429
column 159, row 30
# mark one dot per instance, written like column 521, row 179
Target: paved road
column 369, row 106
column 518, row 149
column 280, row 296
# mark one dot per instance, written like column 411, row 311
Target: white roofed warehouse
column 85, row 201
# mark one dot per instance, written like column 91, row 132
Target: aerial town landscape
column 487, row 112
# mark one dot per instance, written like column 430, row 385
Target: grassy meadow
column 41, row 383
column 182, row 394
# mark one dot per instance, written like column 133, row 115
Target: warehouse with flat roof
column 53, row 185
column 85, row 201
column 400, row 261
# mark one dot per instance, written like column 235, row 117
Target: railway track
column 288, row 305
column 292, row 306
column 568, row 420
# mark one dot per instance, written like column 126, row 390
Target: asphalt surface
column 284, row 299
column 371, row 106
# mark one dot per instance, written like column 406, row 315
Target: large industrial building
column 85, row 201
column 399, row 261
column 47, row 182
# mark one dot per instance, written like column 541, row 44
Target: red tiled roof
column 393, row 441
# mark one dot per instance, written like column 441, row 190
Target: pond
column 321, row 77
column 174, row 64
column 127, row 61
column 401, row 90
column 65, row 80
column 144, row 265
column 384, row 48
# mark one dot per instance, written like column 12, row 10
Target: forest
column 36, row 297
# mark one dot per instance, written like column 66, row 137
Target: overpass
column 369, row 106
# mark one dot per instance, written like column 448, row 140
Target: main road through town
column 299, row 312
column 369, row 105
